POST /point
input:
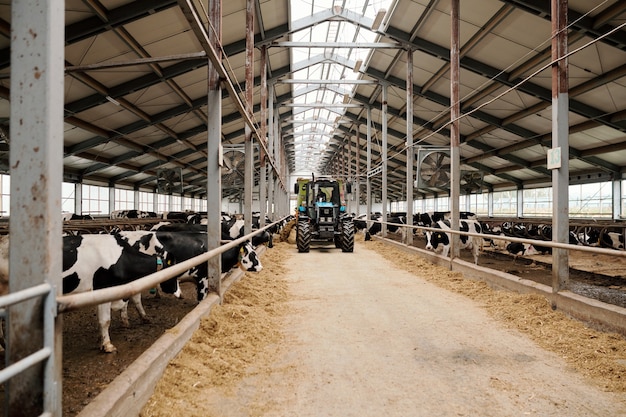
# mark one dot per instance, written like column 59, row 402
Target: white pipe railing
column 549, row 243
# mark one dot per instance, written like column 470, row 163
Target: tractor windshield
column 327, row 193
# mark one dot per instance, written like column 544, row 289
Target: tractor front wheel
column 303, row 236
column 347, row 237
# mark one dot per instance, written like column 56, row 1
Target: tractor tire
column 347, row 237
column 303, row 237
column 337, row 241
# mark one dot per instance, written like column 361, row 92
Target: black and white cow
column 132, row 214
column 181, row 245
column 521, row 249
column 92, row 262
column 605, row 239
column 233, row 228
column 394, row 218
column 439, row 241
column 73, row 216
column 429, row 218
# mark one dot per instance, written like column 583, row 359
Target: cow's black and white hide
column 74, row 216
column 92, row 262
column 602, row 238
column 96, row 261
column 179, row 246
column 439, row 241
column 521, row 249
column 395, row 219
column 132, row 214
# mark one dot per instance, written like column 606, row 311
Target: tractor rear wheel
column 347, row 237
column 303, row 236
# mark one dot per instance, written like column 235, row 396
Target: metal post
column 357, row 184
column 455, row 112
column 214, row 140
column 36, row 161
column 78, row 199
column 263, row 131
column 560, row 144
column 248, row 145
column 369, row 166
column 270, row 151
column 409, row 145
column 383, row 231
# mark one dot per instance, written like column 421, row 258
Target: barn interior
column 213, row 103
column 322, row 78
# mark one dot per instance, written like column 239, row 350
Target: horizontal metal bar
column 548, row 243
column 140, row 61
column 323, row 105
column 325, row 82
column 24, row 363
column 359, row 45
column 23, row 295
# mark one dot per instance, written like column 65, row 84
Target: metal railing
column 46, row 291
column 56, row 305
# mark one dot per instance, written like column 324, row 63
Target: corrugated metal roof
column 135, row 87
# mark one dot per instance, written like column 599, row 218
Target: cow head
column 172, row 285
column 435, row 239
column 248, row 258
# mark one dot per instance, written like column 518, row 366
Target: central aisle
column 367, row 339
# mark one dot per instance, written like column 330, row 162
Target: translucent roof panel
column 318, row 106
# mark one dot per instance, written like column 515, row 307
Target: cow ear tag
column 241, row 252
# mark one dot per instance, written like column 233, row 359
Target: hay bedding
column 242, row 337
column 238, row 339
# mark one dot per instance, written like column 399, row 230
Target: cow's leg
column 476, row 249
column 142, row 313
column 104, row 319
column 122, row 306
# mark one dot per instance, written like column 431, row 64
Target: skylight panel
column 327, row 58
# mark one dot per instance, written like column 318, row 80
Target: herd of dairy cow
column 439, row 241
column 99, row 260
column 95, row 261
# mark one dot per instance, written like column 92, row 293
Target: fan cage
column 432, row 176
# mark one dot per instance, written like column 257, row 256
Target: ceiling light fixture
column 379, row 19
column 112, row 100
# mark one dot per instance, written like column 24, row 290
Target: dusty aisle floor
column 359, row 337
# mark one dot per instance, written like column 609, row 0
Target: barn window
column 95, row 200
column 146, row 201
column 505, row 203
column 124, row 199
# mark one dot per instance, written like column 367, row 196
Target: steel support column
column 263, row 138
column 409, row 145
column 249, row 106
column 560, row 131
column 455, row 137
column 270, row 150
column 384, row 158
column 357, row 185
column 368, row 185
column 36, row 161
column 214, row 140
